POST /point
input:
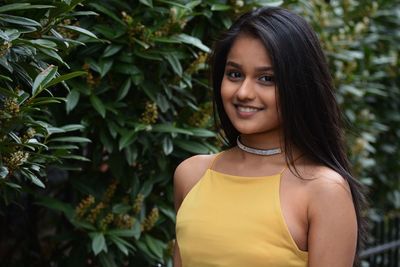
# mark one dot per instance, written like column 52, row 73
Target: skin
column 318, row 207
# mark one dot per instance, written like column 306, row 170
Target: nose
column 246, row 90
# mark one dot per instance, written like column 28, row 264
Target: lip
column 246, row 111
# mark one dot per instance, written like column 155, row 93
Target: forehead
column 247, row 49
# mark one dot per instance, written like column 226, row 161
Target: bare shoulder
column 326, row 180
column 194, row 165
column 332, row 219
column 329, row 192
column 187, row 174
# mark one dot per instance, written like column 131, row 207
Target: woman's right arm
column 177, row 256
column 178, row 196
column 186, row 175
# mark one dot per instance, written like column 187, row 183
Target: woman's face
column 248, row 88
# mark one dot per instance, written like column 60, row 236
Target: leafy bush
column 145, row 105
column 361, row 42
column 31, row 47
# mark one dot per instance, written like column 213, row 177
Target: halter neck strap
column 211, row 165
column 294, row 160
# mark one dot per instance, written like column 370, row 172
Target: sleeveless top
column 235, row 221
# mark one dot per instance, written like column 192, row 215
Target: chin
column 249, row 130
column 256, row 130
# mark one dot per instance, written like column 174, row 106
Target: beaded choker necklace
column 262, row 152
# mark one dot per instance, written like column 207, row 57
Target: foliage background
column 131, row 78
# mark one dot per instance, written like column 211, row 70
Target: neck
column 261, row 141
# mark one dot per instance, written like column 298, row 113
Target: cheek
column 225, row 94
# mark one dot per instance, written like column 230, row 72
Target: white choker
column 262, row 152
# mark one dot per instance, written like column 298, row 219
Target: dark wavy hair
column 309, row 114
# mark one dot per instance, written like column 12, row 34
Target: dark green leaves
column 43, row 79
column 98, row 243
column 98, row 105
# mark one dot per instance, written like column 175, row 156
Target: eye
column 267, row 79
column 234, row 75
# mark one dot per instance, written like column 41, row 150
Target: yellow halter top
column 235, row 221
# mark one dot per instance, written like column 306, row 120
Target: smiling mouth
column 247, row 109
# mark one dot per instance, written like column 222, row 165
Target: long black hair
column 309, row 114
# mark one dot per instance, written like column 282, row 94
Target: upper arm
column 187, row 174
column 332, row 236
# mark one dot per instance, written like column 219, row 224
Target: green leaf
column 3, row 172
column 47, row 44
column 148, row 3
column 98, row 105
column 167, row 145
column 269, row 2
column 22, row 6
column 173, row 3
column 104, row 10
column 123, row 91
column 66, row 77
column 19, row 20
column 44, row 102
column 84, row 13
column 36, row 180
column 15, row 137
column 155, row 246
column 112, row 50
column 120, row 244
column 107, row 260
column 63, row 147
column 72, row 100
column 13, row 185
column 227, row 22
column 53, row 130
column 98, row 243
column 2, row 77
column 71, row 139
column 105, row 66
column 169, row 212
column 122, row 232
column 201, row 132
column 75, row 157
column 80, row 30
column 131, row 154
column 56, row 205
column 147, row 187
column 52, row 54
column 174, row 62
column 82, row 225
column 127, row 139
column 192, row 41
column 8, row 93
column 220, row 7
column 121, row 208
column 145, row 46
column 42, row 79
column 72, row 127
column 169, row 128
column 137, row 228
column 192, row 146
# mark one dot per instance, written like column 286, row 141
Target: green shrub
column 30, row 53
column 361, row 42
column 145, row 105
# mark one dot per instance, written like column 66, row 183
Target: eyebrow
column 263, row 68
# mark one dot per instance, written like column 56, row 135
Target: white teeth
column 247, row 109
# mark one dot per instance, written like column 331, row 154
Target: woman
column 282, row 194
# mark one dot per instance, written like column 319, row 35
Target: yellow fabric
column 235, row 221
